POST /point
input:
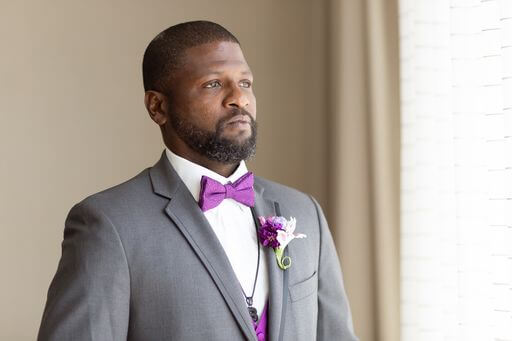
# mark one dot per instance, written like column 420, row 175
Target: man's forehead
column 218, row 68
column 217, row 54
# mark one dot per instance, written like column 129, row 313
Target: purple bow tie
column 213, row 192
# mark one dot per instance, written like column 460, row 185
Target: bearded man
column 196, row 247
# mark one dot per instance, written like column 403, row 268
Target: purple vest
column 261, row 326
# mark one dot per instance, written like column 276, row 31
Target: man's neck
column 220, row 168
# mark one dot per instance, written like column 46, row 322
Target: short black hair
column 162, row 56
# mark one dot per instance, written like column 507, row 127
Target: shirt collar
column 191, row 173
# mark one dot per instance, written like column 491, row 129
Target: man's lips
column 239, row 119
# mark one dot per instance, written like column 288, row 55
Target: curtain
column 364, row 160
column 456, row 179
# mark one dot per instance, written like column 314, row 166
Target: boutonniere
column 277, row 233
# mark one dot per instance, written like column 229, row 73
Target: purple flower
column 277, row 233
column 268, row 230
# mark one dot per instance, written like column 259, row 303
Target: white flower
column 286, row 236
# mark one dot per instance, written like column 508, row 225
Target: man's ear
column 156, row 104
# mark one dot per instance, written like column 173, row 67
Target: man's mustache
column 235, row 112
column 239, row 111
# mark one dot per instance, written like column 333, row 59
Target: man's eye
column 213, row 84
column 245, row 84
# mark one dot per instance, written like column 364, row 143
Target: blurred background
column 394, row 114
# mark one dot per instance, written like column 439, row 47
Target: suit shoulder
column 280, row 192
column 124, row 194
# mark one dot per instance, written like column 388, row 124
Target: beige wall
column 73, row 120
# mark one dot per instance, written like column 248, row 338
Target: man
column 173, row 253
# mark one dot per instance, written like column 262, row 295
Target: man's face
column 212, row 107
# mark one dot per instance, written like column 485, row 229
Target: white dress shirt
column 234, row 226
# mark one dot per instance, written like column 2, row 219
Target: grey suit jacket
column 140, row 262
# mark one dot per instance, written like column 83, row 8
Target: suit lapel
column 186, row 215
column 277, row 293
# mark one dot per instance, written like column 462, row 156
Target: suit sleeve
column 334, row 317
column 89, row 296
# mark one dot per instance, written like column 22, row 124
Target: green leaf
column 283, row 262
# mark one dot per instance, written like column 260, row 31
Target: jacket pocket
column 304, row 289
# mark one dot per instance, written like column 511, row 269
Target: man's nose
column 236, row 97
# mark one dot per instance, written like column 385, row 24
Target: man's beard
column 211, row 144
